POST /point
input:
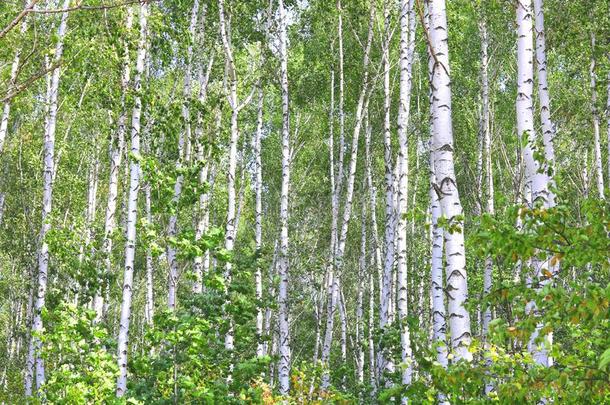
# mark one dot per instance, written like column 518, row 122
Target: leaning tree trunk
column 47, row 199
column 117, row 144
column 407, row 49
column 12, row 81
column 132, row 207
column 442, row 145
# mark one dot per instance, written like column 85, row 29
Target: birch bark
column 536, row 182
column 258, row 217
column 132, row 206
column 599, row 171
column 47, row 199
column 548, row 128
column 283, row 262
column 443, row 147
column 116, row 149
column 384, row 362
column 407, row 49
column 6, row 111
column 183, row 148
column 361, row 109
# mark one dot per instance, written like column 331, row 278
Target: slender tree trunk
column 608, row 120
column 486, row 149
column 206, row 174
column 343, row 318
column 117, row 145
column 283, row 264
column 339, row 182
column 371, row 332
column 599, row 171
column 132, row 208
column 12, row 81
column 258, row 218
column 90, row 211
column 373, row 205
column 442, row 144
column 183, row 141
column 28, row 378
column 407, row 49
column 361, row 109
column 362, row 269
column 548, row 127
column 385, row 362
column 49, row 169
column 149, row 310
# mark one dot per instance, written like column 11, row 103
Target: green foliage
column 78, row 354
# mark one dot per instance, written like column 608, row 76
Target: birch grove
column 395, row 201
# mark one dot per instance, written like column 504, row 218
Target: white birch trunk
column 361, row 109
column 407, row 48
column 339, row 182
column 343, row 318
column 536, row 183
column 439, row 326
column 385, row 362
column 47, row 198
column 132, row 207
column 599, row 171
column 230, row 226
column 28, row 378
column 117, row 145
column 371, row 340
column 258, row 218
column 283, row 262
column 373, row 206
column 207, row 174
column 486, row 155
column 183, row 148
column 13, row 79
column 149, row 309
column 362, row 277
column 486, row 152
column 548, row 128
column 442, row 144
column 608, row 122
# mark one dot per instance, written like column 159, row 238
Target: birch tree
column 361, row 108
column 47, row 198
column 407, row 50
column 548, row 127
column 446, row 185
column 597, row 151
column 132, row 208
column 384, row 362
column 116, row 150
column 6, row 111
column 283, row 262
column 183, row 152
